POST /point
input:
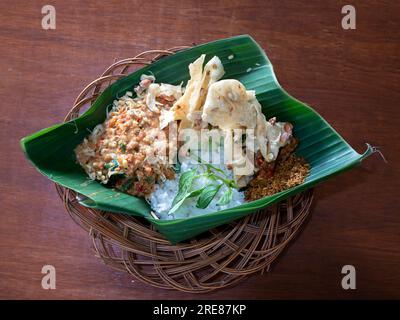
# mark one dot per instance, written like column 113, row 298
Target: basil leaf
column 207, row 195
column 177, row 204
column 195, row 193
column 185, row 182
column 226, row 198
column 186, row 196
column 186, row 179
column 210, row 166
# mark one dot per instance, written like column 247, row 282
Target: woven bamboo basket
column 219, row 258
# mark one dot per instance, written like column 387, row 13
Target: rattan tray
column 219, row 258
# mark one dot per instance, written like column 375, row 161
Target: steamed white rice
column 163, row 195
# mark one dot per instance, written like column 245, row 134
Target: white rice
column 163, row 195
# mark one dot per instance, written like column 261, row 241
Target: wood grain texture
column 351, row 77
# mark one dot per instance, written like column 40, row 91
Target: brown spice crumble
column 288, row 173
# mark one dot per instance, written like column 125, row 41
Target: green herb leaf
column 177, row 204
column 195, row 193
column 208, row 165
column 123, row 147
column 192, row 194
column 226, row 198
column 213, row 176
column 185, row 182
column 207, row 195
column 186, row 179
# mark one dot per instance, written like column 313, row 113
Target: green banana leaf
column 51, row 150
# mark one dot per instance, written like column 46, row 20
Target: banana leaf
column 51, row 150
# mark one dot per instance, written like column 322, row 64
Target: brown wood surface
column 351, row 77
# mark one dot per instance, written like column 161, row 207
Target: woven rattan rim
column 222, row 257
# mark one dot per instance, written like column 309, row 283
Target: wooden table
column 351, row 77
